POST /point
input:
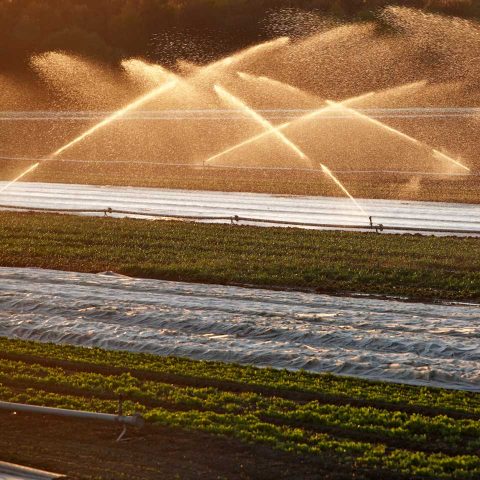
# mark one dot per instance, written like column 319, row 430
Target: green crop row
column 279, row 382
column 439, row 432
column 328, row 262
column 250, row 428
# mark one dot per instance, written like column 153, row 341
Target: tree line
column 165, row 29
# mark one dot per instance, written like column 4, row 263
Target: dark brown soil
column 88, row 450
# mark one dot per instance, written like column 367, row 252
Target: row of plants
column 281, row 383
column 418, row 431
column 322, row 261
column 249, row 428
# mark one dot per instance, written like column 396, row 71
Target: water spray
column 239, row 56
column 261, row 121
column 398, row 133
column 276, row 131
column 272, row 81
column 379, row 124
column 107, row 121
column 155, row 73
column 442, row 156
column 415, row 85
column 329, row 173
column 284, row 126
column 15, row 180
column 119, row 113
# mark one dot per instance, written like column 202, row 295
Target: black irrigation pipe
column 376, row 227
column 107, row 211
column 235, row 219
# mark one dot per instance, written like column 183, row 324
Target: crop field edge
column 407, row 267
column 397, row 442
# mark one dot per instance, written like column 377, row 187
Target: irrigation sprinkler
column 378, row 227
column 125, row 420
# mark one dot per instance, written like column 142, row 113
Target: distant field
column 424, row 268
column 462, row 189
column 339, row 427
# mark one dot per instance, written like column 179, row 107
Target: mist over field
column 247, row 232
column 167, row 30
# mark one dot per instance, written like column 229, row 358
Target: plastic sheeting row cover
column 393, row 214
column 415, row 343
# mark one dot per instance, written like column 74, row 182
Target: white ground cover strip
column 422, row 344
column 320, row 210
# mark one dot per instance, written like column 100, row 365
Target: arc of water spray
column 254, row 78
column 261, row 121
column 119, row 113
column 111, row 118
column 344, row 104
column 284, row 126
column 339, row 184
column 271, row 129
column 242, row 55
column 153, row 71
column 15, row 180
column 443, row 156
column 394, row 131
column 153, row 94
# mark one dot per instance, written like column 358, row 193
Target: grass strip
column 417, row 267
column 275, row 382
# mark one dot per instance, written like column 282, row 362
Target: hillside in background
column 167, row 30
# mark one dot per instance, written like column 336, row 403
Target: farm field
column 315, row 420
column 421, row 268
column 253, row 226
column 380, row 185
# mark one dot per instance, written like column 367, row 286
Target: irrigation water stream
column 391, row 340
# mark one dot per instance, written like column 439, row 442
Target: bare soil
column 88, row 450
